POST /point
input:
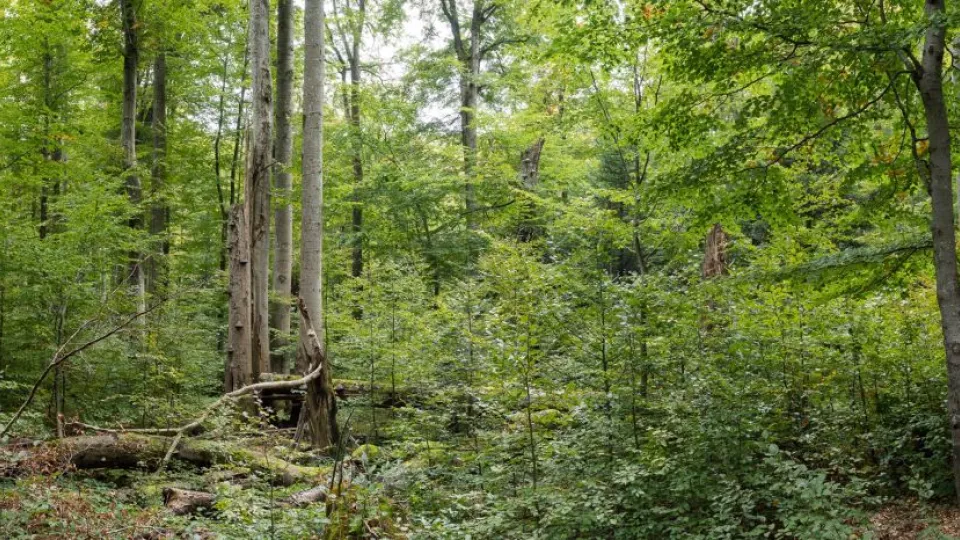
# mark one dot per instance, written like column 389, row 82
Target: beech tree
column 283, row 214
column 320, row 420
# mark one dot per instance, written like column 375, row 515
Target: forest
column 479, row 269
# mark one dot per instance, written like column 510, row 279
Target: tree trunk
column 321, row 407
column 238, row 369
column 469, row 59
column 356, row 269
column 529, row 181
column 468, row 125
column 257, row 187
column 929, row 80
column 715, row 253
column 158, row 207
column 131, row 450
column 283, row 215
column 131, row 56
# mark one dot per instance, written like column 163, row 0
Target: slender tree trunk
column 356, row 269
column 257, row 186
column 158, row 206
column 468, row 125
column 468, row 55
column 321, row 407
column 131, row 57
column 283, row 214
column 237, row 372
column 929, row 80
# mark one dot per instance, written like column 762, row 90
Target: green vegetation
column 623, row 270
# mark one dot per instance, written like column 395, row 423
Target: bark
column 715, row 253
column 158, row 208
column 283, row 215
column 529, row 181
column 131, row 57
column 321, row 408
column 257, row 187
column 929, row 81
column 239, row 369
column 184, row 501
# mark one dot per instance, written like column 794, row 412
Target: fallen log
column 184, row 501
column 128, row 450
column 308, row 496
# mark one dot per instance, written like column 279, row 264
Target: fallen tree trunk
column 128, row 450
column 185, row 501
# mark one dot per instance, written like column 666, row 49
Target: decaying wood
column 185, row 501
column 239, row 367
column 136, row 451
column 715, row 253
column 309, row 496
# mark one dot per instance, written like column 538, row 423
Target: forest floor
column 911, row 520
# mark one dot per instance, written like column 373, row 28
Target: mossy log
column 127, row 450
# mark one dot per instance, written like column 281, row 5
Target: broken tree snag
column 529, row 181
column 714, row 266
column 185, row 501
column 715, row 253
column 308, row 497
column 239, row 363
column 319, row 421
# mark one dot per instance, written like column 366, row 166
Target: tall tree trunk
column 356, row 269
column 257, row 187
column 468, row 55
column 158, row 173
column 237, row 372
column 321, row 409
column 128, row 139
column 929, row 80
column 283, row 215
column 468, row 113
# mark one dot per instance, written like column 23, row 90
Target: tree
column 128, row 137
column 283, row 215
column 320, row 420
column 159, row 212
column 350, row 23
column 471, row 48
column 257, row 180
